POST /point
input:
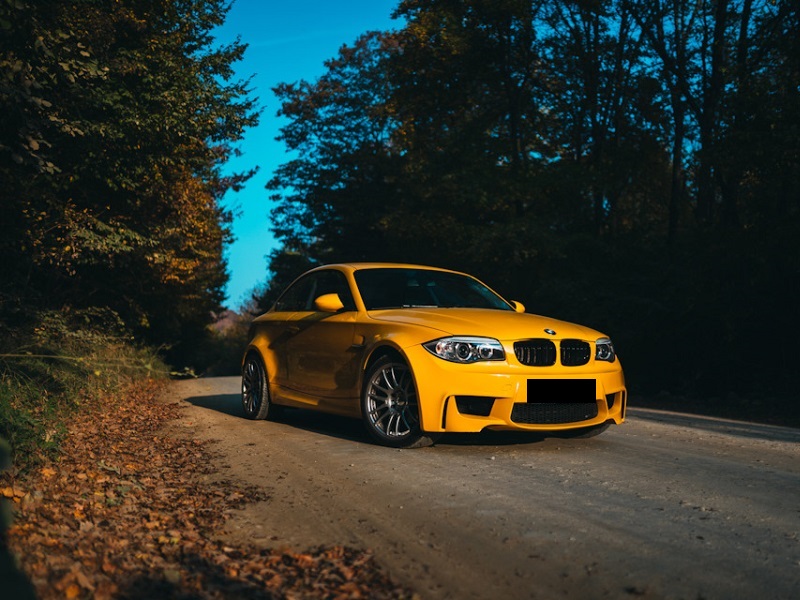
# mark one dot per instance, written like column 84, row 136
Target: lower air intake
column 474, row 405
column 553, row 413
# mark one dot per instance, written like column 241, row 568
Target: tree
column 759, row 159
column 118, row 117
column 607, row 116
column 468, row 96
column 332, row 198
column 719, row 61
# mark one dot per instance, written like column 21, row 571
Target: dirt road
column 664, row 506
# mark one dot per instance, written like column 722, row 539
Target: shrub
column 60, row 362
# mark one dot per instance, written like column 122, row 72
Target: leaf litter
column 128, row 512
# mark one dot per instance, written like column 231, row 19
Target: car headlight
column 604, row 350
column 464, row 349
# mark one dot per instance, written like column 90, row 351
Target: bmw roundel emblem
column 549, row 332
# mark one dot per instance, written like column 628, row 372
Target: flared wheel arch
column 390, row 354
column 271, row 410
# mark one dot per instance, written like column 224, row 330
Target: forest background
column 633, row 165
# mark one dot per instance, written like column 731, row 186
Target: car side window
column 296, row 297
column 300, row 296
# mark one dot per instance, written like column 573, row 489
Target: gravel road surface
column 666, row 505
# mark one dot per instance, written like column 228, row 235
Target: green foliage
column 116, row 118
column 70, row 360
column 115, row 121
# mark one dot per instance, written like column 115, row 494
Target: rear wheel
column 390, row 406
column 256, row 400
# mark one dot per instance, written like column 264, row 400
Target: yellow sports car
column 418, row 351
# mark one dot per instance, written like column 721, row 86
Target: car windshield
column 412, row 288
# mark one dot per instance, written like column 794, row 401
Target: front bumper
column 494, row 395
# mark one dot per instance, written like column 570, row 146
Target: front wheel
column 255, row 390
column 390, row 406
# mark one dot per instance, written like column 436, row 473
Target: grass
column 50, row 370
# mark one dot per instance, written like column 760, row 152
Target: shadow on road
column 331, row 425
column 744, row 429
column 229, row 404
column 352, row 429
column 307, row 420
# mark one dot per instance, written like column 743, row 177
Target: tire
column 390, row 406
column 256, row 400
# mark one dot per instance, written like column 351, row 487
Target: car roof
column 357, row 266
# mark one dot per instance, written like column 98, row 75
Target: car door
column 322, row 360
column 279, row 325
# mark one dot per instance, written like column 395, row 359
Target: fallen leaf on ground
column 148, row 528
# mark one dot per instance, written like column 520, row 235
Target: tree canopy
column 115, row 121
column 604, row 117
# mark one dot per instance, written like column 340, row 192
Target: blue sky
column 288, row 41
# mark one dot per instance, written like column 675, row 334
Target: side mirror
column 518, row 306
column 330, row 303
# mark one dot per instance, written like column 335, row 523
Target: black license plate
column 561, row 390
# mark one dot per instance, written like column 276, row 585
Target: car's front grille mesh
column 541, row 352
column 574, row 353
column 553, row 413
column 536, row 353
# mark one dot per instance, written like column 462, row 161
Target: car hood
column 498, row 324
